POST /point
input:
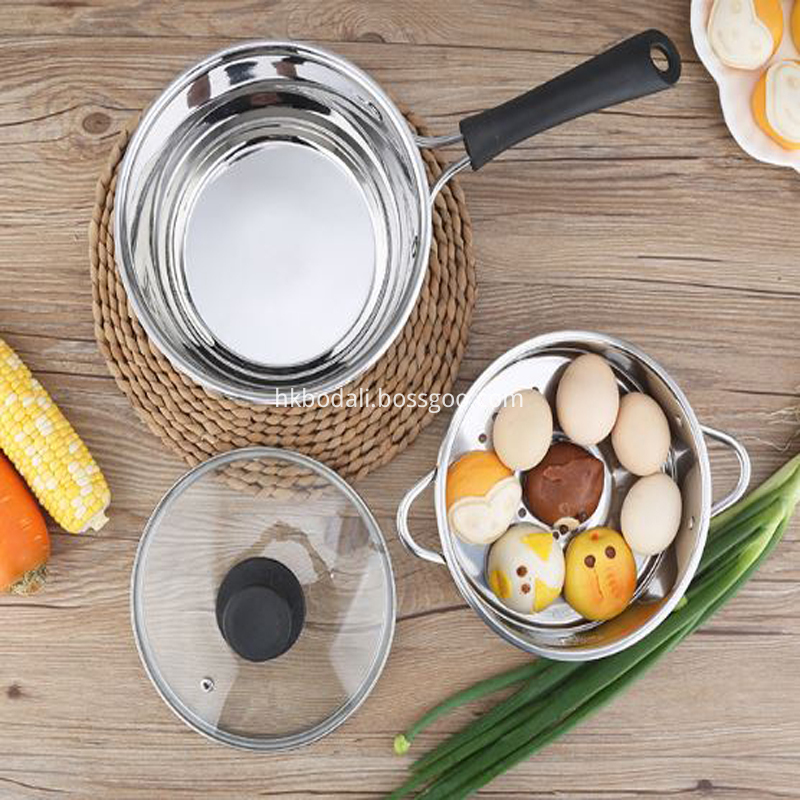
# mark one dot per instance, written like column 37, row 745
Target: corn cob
column 47, row 451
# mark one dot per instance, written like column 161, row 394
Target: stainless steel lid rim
column 266, row 743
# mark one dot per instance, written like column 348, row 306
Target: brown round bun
column 566, row 484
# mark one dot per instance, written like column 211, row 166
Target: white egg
column 587, row 400
column 641, row 436
column 523, row 430
column 651, row 514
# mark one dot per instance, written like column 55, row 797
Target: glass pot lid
column 263, row 600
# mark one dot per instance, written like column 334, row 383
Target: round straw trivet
column 195, row 423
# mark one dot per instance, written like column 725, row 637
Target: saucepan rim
column 394, row 126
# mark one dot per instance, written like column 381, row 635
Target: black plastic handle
column 261, row 608
column 622, row 73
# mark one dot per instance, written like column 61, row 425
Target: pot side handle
column 744, row 468
column 625, row 72
column 404, row 533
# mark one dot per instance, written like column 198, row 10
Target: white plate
column 736, row 88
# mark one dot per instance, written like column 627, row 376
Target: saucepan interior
column 272, row 223
column 662, row 580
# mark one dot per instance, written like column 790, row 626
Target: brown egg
column 601, row 574
column 587, row 399
column 641, row 435
column 567, row 483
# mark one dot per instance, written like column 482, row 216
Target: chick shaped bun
column 776, row 103
column 745, row 33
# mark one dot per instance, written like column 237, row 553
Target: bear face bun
column 745, row 33
column 483, row 497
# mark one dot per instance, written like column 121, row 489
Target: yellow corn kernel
column 47, row 451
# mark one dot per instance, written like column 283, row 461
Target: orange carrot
column 24, row 541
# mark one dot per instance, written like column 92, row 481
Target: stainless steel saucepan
column 273, row 215
column 559, row 632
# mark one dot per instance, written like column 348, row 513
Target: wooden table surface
column 645, row 221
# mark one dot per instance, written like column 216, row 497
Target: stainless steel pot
column 273, row 216
column 559, row 632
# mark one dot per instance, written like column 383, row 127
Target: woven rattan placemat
column 196, row 424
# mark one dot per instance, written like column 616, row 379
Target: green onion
column 496, row 721
column 536, row 715
column 465, row 785
column 769, row 520
column 591, row 681
column 718, row 546
column 552, row 675
column 403, row 740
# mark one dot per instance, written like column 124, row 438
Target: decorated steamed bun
column 564, row 489
column 522, row 430
column 483, row 497
column 745, row 33
column 600, row 574
column 776, row 103
column 526, row 569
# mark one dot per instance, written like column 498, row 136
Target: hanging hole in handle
column 660, row 58
column 664, row 57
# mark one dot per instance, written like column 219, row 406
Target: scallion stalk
column 553, row 674
column 465, row 786
column 494, row 684
column 740, row 539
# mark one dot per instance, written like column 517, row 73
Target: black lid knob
column 260, row 609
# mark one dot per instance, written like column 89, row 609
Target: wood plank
column 644, row 221
column 510, row 24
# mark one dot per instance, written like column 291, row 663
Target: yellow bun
column 600, row 574
column 474, row 474
column 759, row 105
column 795, row 24
column 770, row 13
